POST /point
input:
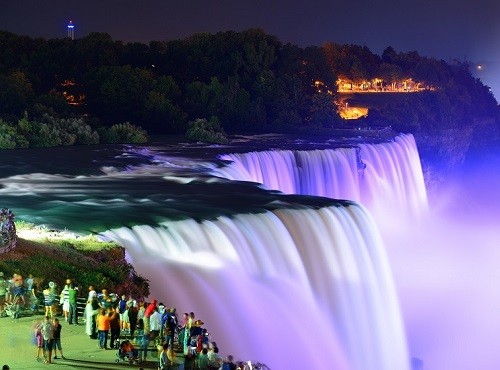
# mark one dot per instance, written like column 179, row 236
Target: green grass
column 51, row 255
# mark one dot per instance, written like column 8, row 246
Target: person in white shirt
column 154, row 325
column 48, row 336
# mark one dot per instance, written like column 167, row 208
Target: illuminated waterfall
column 380, row 176
column 269, row 285
column 294, row 281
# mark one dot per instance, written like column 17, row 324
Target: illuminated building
column 71, row 30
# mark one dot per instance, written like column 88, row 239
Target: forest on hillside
column 246, row 81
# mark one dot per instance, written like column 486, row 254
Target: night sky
column 444, row 29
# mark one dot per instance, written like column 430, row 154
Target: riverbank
column 81, row 352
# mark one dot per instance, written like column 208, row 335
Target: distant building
column 71, row 30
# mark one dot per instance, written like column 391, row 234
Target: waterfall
column 380, row 176
column 294, row 281
column 298, row 288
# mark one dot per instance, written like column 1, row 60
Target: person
column 103, row 328
column 122, row 307
column 56, row 342
column 91, row 311
column 53, row 292
column 64, row 298
column 187, row 333
column 182, row 330
column 29, row 283
column 114, row 326
column 164, row 362
column 34, row 292
column 128, row 349
column 5, row 367
column 92, row 292
column 171, row 353
column 196, row 335
column 38, row 339
column 152, row 307
column 105, row 300
column 229, row 364
column 3, row 291
column 18, row 290
column 203, row 359
column 214, row 359
column 141, row 310
column 170, row 325
column 143, row 341
column 72, row 316
column 154, row 324
column 48, row 300
column 48, row 336
column 132, row 316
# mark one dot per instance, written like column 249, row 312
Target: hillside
column 52, row 257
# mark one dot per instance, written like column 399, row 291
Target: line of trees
column 246, row 81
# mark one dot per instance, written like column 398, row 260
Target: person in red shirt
column 149, row 311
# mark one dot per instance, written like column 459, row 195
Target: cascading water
column 296, row 282
column 445, row 265
column 380, row 176
column 296, row 289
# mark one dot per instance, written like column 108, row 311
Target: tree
column 160, row 115
column 390, row 73
column 323, row 111
column 16, row 93
column 118, row 93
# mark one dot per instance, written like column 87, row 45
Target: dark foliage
column 249, row 80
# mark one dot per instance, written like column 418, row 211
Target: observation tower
column 71, row 30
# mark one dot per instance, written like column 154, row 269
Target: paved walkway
column 81, row 352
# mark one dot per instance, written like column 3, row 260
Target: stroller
column 128, row 353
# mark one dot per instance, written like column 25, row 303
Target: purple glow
column 327, row 265
column 260, row 285
column 446, row 272
column 392, row 178
column 444, row 263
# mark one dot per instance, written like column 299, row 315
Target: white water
column 392, row 178
column 313, row 280
column 445, row 264
column 295, row 289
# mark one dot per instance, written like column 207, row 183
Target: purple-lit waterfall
column 315, row 283
column 392, row 178
column 292, row 280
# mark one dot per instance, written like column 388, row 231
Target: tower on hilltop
column 71, row 30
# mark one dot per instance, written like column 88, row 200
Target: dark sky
column 444, row 29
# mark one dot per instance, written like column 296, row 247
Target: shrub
column 73, row 130
column 7, row 136
column 208, row 131
column 124, row 133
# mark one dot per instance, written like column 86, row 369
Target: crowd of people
column 138, row 330
column 15, row 289
column 28, row 294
